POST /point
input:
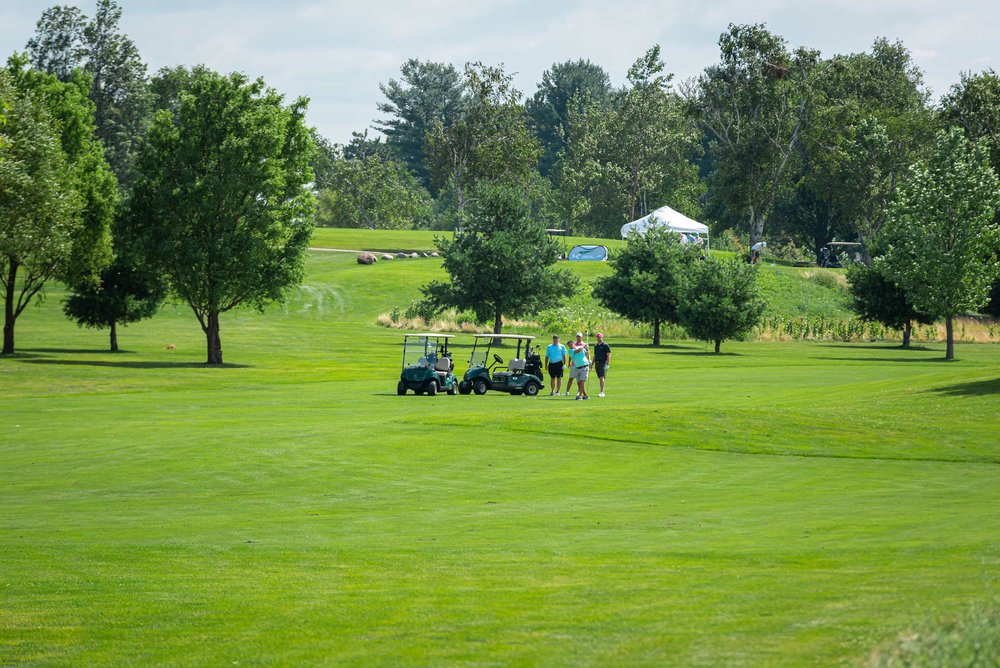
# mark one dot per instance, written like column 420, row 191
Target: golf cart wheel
column 531, row 390
column 432, row 388
column 401, row 388
column 453, row 390
column 464, row 387
column 479, row 386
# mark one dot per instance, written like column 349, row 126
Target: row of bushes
column 583, row 316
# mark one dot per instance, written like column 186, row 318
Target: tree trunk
column 907, row 331
column 212, row 336
column 656, row 332
column 8, row 311
column 756, row 227
column 718, row 346
column 114, row 336
column 497, row 326
column 949, row 333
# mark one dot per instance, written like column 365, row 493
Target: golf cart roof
column 505, row 336
column 429, row 336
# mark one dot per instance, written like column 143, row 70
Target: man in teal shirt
column 555, row 358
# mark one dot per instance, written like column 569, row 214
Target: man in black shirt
column 602, row 360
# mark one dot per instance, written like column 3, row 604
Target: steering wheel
column 497, row 359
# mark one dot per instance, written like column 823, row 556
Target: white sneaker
column 601, row 394
column 565, row 394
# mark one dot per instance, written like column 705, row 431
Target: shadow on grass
column 978, row 388
column 77, row 351
column 883, row 359
column 125, row 364
column 886, row 346
column 700, row 353
column 650, row 346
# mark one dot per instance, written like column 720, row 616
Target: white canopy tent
column 669, row 218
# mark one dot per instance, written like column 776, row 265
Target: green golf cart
column 521, row 375
column 427, row 365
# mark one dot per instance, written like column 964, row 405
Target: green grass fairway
column 780, row 504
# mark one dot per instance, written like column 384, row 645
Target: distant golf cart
column 522, row 375
column 836, row 253
column 427, row 365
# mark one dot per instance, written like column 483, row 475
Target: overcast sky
column 337, row 53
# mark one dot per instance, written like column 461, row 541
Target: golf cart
column 427, row 365
column 836, row 253
column 522, row 375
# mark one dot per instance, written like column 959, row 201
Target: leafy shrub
column 826, row 279
column 421, row 308
column 787, row 250
column 729, row 240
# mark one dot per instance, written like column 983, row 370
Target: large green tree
column 70, row 240
column 621, row 162
column 720, row 300
column 65, row 40
column 647, row 278
column 943, row 231
column 753, row 106
column 974, row 105
column 866, row 124
column 502, row 263
column 372, row 192
column 39, row 206
column 221, row 205
column 490, row 142
column 563, row 87
column 427, row 93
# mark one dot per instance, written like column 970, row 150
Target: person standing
column 555, row 358
column 602, row 360
column 580, row 359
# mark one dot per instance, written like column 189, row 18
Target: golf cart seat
column 443, row 365
column 515, row 365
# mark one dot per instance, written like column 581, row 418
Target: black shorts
column 556, row 369
column 601, row 368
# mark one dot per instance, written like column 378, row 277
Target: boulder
column 435, row 255
column 401, row 255
column 387, row 256
column 414, row 254
column 367, row 258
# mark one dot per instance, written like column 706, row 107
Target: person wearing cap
column 602, row 360
column 579, row 365
column 555, row 358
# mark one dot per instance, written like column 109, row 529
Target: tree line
column 129, row 187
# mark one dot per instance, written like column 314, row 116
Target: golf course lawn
column 780, row 504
